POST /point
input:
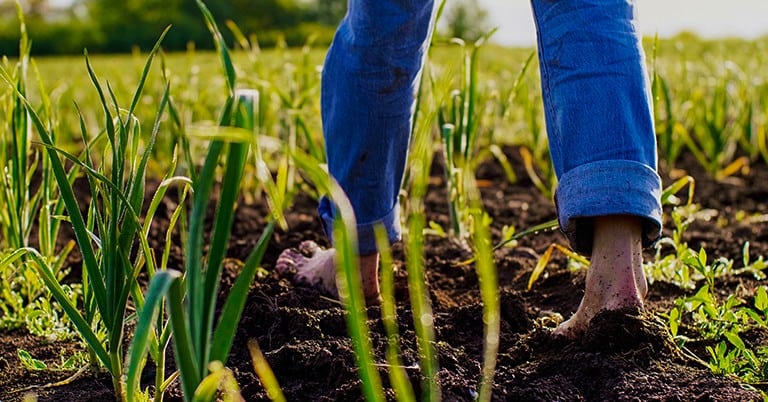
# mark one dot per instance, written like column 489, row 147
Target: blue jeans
column 596, row 98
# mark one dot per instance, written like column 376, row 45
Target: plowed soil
column 625, row 356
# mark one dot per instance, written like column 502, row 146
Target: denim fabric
column 599, row 118
column 369, row 82
column 596, row 97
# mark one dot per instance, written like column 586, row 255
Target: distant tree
column 254, row 15
column 118, row 26
column 34, row 8
column 55, row 27
column 465, row 19
column 127, row 23
column 330, row 12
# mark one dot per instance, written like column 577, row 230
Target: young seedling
column 397, row 375
column 459, row 122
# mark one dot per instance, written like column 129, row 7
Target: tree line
column 109, row 26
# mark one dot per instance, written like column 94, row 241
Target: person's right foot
column 315, row 267
column 615, row 279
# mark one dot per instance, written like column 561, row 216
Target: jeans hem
column 366, row 237
column 611, row 187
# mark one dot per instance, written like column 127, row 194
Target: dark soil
column 625, row 356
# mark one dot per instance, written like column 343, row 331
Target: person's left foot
column 311, row 266
column 316, row 267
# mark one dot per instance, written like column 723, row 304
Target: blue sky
column 708, row 18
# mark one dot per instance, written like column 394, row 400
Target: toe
column 289, row 261
column 571, row 329
column 308, row 248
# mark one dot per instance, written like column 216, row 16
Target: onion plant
column 421, row 304
column 708, row 110
column 489, row 292
column 716, row 123
column 265, row 373
column 516, row 95
column 667, row 128
column 16, row 156
column 534, row 147
column 200, row 342
column 459, row 124
column 397, row 375
column 347, row 274
column 108, row 235
column 288, row 91
column 22, row 296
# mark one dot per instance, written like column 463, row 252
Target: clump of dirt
column 628, row 330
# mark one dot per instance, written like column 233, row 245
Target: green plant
column 459, row 124
column 534, row 146
column 720, row 325
column 294, row 85
column 23, row 299
column 192, row 299
column 106, row 238
column 670, row 267
column 38, row 313
column 70, row 363
column 516, row 95
column 266, row 376
column 667, row 128
column 30, row 362
column 486, row 273
column 682, row 266
column 347, row 273
column 716, row 122
column 421, row 305
column 16, row 155
column 201, row 345
column 397, row 375
column 703, row 317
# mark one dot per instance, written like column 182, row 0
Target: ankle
column 369, row 275
column 617, row 234
column 616, row 276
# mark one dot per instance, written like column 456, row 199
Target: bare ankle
column 369, row 276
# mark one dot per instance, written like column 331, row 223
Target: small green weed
column 719, row 323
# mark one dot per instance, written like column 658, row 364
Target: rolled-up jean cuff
column 611, row 187
column 366, row 238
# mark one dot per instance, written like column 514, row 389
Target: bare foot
column 315, row 267
column 310, row 266
column 615, row 279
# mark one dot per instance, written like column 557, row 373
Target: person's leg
column 370, row 77
column 601, row 135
